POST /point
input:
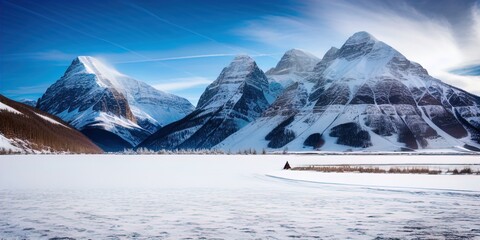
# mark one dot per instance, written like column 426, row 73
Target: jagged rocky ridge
column 295, row 66
column 24, row 129
column 362, row 96
column 237, row 97
column 366, row 95
column 112, row 109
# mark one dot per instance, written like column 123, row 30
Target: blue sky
column 181, row 46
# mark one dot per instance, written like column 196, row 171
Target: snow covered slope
column 114, row 110
column 238, row 96
column 366, row 96
column 24, row 129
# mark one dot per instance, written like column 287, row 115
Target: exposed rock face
column 238, row 96
column 92, row 96
column 290, row 102
column 114, row 103
column 366, row 95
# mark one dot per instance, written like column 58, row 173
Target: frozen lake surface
column 231, row 197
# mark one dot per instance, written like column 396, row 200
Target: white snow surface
column 229, row 197
column 6, row 144
column 50, row 120
column 5, row 107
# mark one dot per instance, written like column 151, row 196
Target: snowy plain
column 232, row 197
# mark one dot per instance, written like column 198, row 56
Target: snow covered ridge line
column 366, row 96
column 362, row 97
column 114, row 110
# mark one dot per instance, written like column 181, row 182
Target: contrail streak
column 92, row 36
column 187, row 29
column 189, row 57
column 74, row 29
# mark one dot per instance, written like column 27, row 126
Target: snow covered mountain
column 24, row 129
column 294, row 66
column 366, row 96
column 237, row 97
column 29, row 102
column 112, row 109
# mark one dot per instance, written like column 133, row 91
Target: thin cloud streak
column 177, row 58
column 190, row 57
column 189, row 30
column 74, row 29
column 182, row 83
column 470, row 83
column 95, row 37
column 54, row 55
column 38, row 89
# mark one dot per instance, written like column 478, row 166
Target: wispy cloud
column 27, row 10
column 53, row 55
column 473, row 70
column 176, row 58
column 188, row 57
column 286, row 33
column 26, row 90
column 430, row 41
column 182, row 83
column 163, row 20
column 473, row 49
column 469, row 83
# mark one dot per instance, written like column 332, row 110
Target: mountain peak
column 299, row 53
column 294, row 61
column 95, row 66
column 29, row 102
column 238, row 96
column 361, row 44
column 331, row 53
column 360, row 37
column 240, row 66
column 329, row 56
column 83, row 58
column 241, row 71
column 366, row 97
column 93, row 96
column 242, row 59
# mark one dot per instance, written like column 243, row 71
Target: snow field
column 226, row 197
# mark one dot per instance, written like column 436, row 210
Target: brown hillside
column 40, row 133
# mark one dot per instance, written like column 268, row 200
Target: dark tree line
column 40, row 133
